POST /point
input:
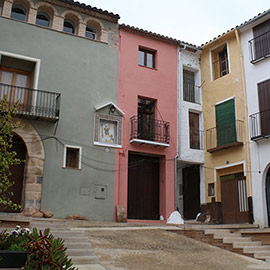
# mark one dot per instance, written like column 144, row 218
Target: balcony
column 225, row 136
column 259, row 47
column 32, row 103
column 149, row 131
column 260, row 125
column 191, row 93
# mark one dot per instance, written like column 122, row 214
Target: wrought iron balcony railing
column 144, row 128
column 32, row 103
column 260, row 47
column 225, row 136
column 260, row 125
column 191, row 93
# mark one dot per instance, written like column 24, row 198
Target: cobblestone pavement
column 155, row 249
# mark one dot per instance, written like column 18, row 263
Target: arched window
column 69, row 27
column 90, row 32
column 18, row 13
column 43, row 19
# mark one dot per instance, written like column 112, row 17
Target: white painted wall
column 259, row 151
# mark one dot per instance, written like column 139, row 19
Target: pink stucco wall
column 159, row 84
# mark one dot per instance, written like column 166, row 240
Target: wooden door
column 14, row 84
column 191, row 191
column 17, row 174
column 194, row 136
column 264, row 103
column 143, row 187
column 234, row 199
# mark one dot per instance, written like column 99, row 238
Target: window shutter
column 225, row 122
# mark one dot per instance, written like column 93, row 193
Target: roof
column 255, row 18
column 159, row 37
column 90, row 8
column 260, row 15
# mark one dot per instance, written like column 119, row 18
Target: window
column 43, row 19
column 146, row 119
column 72, row 157
column 18, row 13
column 146, row 58
column 188, row 86
column 264, row 104
column 260, row 45
column 211, row 189
column 108, row 130
column 225, row 122
column 220, row 65
column 90, row 32
column 194, row 132
column 69, row 27
column 14, row 84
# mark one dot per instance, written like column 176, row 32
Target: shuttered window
column 264, row 103
column 261, row 35
column 225, row 122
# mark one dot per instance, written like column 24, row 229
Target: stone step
column 85, row 259
column 230, row 240
column 76, row 239
column 222, row 235
column 255, row 249
column 261, row 254
column 67, row 234
column 213, row 231
column 89, row 267
column 79, row 245
column 80, row 252
column 245, row 244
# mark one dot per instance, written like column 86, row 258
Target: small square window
column 146, row 58
column 72, row 157
column 211, row 189
column 108, row 130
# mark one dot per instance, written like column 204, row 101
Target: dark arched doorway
column 267, row 190
column 17, row 174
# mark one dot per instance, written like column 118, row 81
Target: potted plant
column 13, row 252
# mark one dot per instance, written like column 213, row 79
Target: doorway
column 267, row 191
column 234, row 198
column 143, row 187
column 17, row 175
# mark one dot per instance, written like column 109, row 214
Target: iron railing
column 260, row 47
column 150, row 129
column 32, row 103
column 219, row 137
column 260, row 125
column 196, row 139
column 191, row 93
column 220, row 69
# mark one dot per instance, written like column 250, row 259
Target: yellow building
column 227, row 166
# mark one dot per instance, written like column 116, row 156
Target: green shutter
column 225, row 122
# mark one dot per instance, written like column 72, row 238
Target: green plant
column 16, row 240
column 46, row 252
column 7, row 157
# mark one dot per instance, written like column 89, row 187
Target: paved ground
column 156, row 249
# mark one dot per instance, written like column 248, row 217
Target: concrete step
column 82, row 239
column 80, row 252
column 230, row 240
column 85, row 259
column 89, row 267
column 222, row 235
column 79, row 245
column 213, row 231
column 255, row 249
column 261, row 254
column 246, row 244
column 67, row 234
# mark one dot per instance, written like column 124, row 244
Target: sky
column 196, row 21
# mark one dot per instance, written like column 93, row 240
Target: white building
column 255, row 40
column 189, row 186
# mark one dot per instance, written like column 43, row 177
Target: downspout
column 247, row 152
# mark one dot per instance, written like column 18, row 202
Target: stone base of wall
column 213, row 210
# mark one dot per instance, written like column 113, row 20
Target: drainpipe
column 247, row 152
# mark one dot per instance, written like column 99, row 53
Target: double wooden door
column 234, row 199
column 143, row 187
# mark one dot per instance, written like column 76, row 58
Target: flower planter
column 12, row 259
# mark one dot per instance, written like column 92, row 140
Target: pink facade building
column 147, row 94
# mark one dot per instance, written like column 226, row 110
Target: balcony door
column 225, row 122
column 13, row 84
column 146, row 119
column 264, row 103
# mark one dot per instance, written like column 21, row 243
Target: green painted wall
column 85, row 73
